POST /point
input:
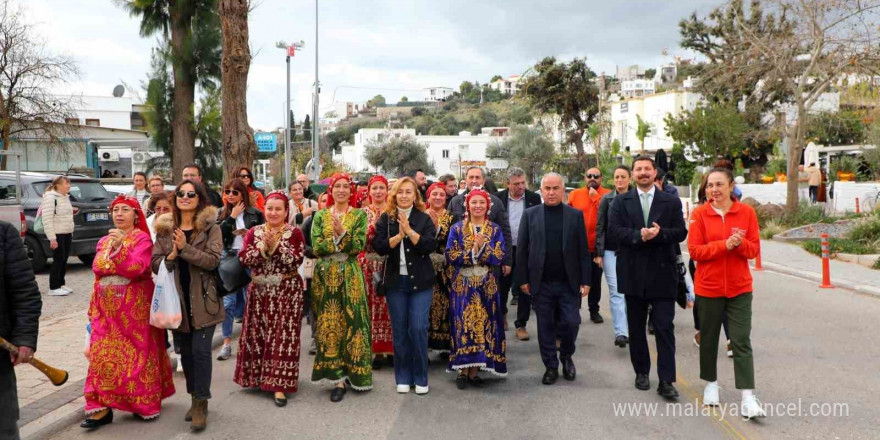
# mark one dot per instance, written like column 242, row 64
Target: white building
column 509, row 86
column 652, row 109
column 448, row 154
column 438, row 94
column 107, row 111
column 632, row 88
column 348, row 109
column 630, row 72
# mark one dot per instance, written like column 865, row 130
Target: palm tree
column 642, row 131
column 192, row 28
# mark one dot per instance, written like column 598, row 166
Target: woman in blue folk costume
column 474, row 249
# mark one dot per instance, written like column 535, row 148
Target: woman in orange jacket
column 722, row 239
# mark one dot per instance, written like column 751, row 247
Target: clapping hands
column 649, row 233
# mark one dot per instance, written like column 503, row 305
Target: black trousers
column 59, row 261
column 507, row 283
column 195, row 354
column 556, row 296
column 8, row 399
column 814, row 193
column 662, row 315
column 595, row 294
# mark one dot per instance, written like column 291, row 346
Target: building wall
column 652, row 109
column 111, row 112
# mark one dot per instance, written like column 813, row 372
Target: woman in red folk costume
column 128, row 365
column 270, row 341
column 372, row 264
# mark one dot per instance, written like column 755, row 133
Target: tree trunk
column 795, row 138
column 182, row 127
column 239, row 147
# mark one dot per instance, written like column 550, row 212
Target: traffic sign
column 266, row 142
column 291, row 50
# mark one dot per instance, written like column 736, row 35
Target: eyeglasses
column 186, row 195
column 232, row 192
column 244, row 175
column 594, row 176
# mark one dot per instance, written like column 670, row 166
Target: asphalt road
column 812, row 347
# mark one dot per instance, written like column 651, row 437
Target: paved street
column 810, row 349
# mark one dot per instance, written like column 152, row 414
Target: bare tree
column 239, row 147
column 28, row 75
column 794, row 54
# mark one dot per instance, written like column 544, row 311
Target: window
column 93, row 122
column 79, row 190
column 8, row 190
column 446, row 154
column 71, row 121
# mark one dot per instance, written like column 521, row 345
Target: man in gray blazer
column 554, row 268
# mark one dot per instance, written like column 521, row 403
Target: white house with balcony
column 448, row 154
column 508, row 86
column 637, row 87
column 652, row 109
column 438, row 94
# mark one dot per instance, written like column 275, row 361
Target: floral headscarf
column 478, row 193
column 352, row 200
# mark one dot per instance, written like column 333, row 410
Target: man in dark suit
column 516, row 199
column 648, row 226
column 554, row 267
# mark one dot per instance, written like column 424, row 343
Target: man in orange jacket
column 587, row 200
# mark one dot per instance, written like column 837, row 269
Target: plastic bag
column 165, row 308
column 88, row 344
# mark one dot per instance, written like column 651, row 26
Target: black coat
column 418, row 260
column 20, row 301
column 532, row 198
column 647, row 270
column 532, row 249
column 252, row 217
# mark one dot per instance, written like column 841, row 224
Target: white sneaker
column 179, row 364
column 68, row 289
column 58, row 292
column 729, row 349
column 403, row 389
column 710, row 394
column 751, row 407
column 421, row 390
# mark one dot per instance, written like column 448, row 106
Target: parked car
column 91, row 216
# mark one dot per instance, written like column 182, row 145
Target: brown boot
column 189, row 413
column 199, row 414
column 505, row 322
column 522, row 334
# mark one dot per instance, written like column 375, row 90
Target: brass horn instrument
column 56, row 375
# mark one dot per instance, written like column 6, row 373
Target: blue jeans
column 615, row 298
column 409, row 326
column 231, row 303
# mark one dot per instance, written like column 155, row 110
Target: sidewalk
column 791, row 259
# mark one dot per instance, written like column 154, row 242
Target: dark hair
column 446, row 178
column 724, row 163
column 156, row 198
column 295, row 182
column 625, row 168
column 661, row 175
column 238, row 185
column 200, row 191
column 238, row 173
column 140, row 173
column 644, row 159
column 193, row 165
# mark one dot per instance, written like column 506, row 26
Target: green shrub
column 770, row 229
column 806, row 214
column 841, row 245
column 866, row 231
column 877, row 264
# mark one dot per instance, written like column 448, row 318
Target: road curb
column 817, row 278
column 71, row 412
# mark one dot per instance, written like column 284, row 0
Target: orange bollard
column 826, row 263
column 758, row 261
column 858, row 211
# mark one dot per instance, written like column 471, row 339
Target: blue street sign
column 266, row 142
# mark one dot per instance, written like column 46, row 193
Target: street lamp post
column 291, row 50
column 316, row 128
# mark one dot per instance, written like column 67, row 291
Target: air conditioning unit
column 140, row 157
column 109, row 156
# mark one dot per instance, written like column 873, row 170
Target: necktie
column 645, row 207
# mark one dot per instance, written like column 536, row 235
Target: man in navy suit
column 648, row 226
column 553, row 266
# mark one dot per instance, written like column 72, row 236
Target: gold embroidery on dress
column 111, row 360
column 357, row 347
column 475, row 318
column 330, row 328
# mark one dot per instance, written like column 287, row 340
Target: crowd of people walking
column 389, row 271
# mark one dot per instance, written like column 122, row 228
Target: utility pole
column 316, row 129
column 291, row 50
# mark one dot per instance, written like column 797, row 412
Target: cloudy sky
column 396, row 48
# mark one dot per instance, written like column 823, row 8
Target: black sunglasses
column 233, row 192
column 594, row 176
column 242, row 176
column 186, row 195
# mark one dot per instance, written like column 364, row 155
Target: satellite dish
column 118, row 91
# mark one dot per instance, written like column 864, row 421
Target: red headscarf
column 140, row 222
column 352, row 199
column 279, row 194
column 477, row 193
column 434, row 186
column 374, row 179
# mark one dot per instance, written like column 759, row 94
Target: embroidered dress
column 339, row 296
column 439, row 332
column 475, row 302
column 129, row 368
column 269, row 346
column 371, row 262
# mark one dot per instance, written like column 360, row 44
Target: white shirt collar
column 651, row 191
